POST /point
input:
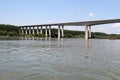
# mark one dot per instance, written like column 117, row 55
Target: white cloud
column 116, row 25
column 91, row 14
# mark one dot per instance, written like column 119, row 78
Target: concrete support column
column 33, row 31
column 86, row 32
column 46, row 35
column 38, row 30
column 59, row 32
column 89, row 29
column 29, row 30
column 26, row 30
column 41, row 30
column 62, row 31
column 49, row 31
column 22, row 28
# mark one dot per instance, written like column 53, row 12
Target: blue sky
column 25, row 12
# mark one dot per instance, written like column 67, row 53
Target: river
column 68, row 59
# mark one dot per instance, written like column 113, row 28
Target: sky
column 30, row 12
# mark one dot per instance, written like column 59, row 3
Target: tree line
column 9, row 30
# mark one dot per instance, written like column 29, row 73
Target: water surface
column 68, row 59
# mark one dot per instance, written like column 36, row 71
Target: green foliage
column 8, row 30
column 13, row 33
column 99, row 35
column 54, row 33
column 3, row 32
column 73, row 34
column 118, row 36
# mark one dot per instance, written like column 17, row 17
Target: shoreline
column 40, row 38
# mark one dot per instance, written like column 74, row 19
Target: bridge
column 30, row 29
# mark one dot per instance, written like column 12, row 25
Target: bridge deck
column 84, row 23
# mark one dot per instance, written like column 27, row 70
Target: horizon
column 29, row 12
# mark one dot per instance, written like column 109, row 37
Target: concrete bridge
column 30, row 29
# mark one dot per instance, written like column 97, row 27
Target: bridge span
column 30, row 29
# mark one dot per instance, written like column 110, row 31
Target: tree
column 10, row 30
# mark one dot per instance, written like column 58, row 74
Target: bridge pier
column 33, row 31
column 49, row 31
column 22, row 28
column 46, row 34
column 26, row 30
column 58, row 31
column 29, row 30
column 62, row 31
column 41, row 30
column 87, row 32
column 37, row 29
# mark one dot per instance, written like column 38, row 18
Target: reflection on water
column 67, row 59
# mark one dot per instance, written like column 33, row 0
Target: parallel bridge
column 27, row 28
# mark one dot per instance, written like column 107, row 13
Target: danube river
column 68, row 59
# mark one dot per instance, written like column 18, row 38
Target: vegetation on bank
column 9, row 30
column 12, row 31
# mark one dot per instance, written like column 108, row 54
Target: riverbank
column 10, row 38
